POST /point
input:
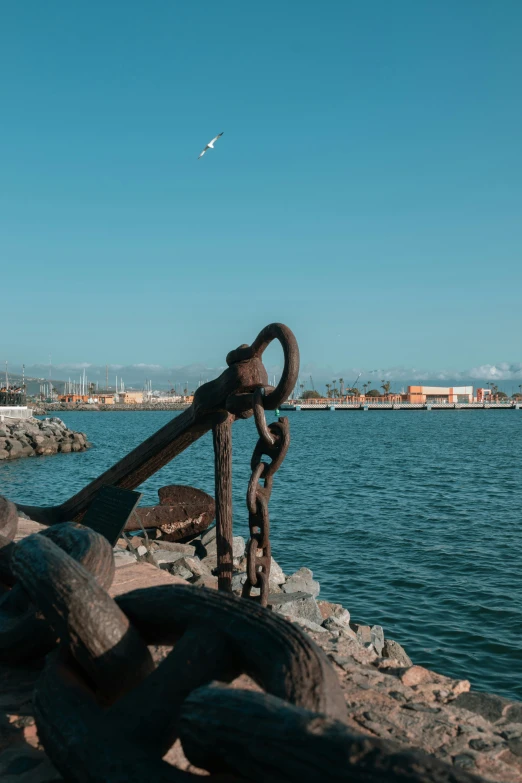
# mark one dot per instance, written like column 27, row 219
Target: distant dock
column 321, row 405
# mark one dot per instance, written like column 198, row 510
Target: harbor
column 416, row 398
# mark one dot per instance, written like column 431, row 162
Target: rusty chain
column 273, row 442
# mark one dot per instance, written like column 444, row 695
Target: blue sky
column 366, row 191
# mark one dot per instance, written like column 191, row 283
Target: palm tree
column 386, row 385
column 328, row 390
column 341, row 383
column 365, row 386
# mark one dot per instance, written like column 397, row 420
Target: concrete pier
column 306, row 405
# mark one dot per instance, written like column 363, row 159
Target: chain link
column 273, row 442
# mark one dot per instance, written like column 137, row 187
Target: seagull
column 210, row 145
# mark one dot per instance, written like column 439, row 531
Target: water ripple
column 411, row 521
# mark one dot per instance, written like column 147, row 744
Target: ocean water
column 410, row 519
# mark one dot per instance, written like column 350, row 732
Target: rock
column 14, row 447
column 164, row 558
column 327, row 608
column 394, row 650
column 209, row 535
column 180, row 570
column 241, row 565
column 464, row 760
column 302, row 582
column 238, row 580
column 415, row 675
column 337, row 611
column 195, row 566
column 175, row 546
column 142, row 550
column 276, row 573
column 206, row 581
column 514, row 713
column 238, row 547
column 294, row 605
column 123, row 558
column 336, row 624
column 134, row 542
column 362, row 632
column 208, row 551
column 309, row 625
column 8, row 518
column 489, row 706
column 377, row 638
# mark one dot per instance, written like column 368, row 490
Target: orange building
column 130, row 397
column 423, row 394
column 73, row 398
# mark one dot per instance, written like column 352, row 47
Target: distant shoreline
column 68, row 408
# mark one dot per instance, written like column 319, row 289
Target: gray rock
column 177, row 569
column 164, row 558
column 174, row 546
column 195, row 566
column 205, row 581
column 489, row 706
column 122, row 557
column 209, row 549
column 396, row 652
column 336, row 611
column 13, row 445
column 363, row 633
column 302, row 582
column 336, row 624
column 377, row 638
column 238, row 580
column 295, row 605
column 276, row 573
column 238, row 547
column 514, row 713
column 309, row 625
column 208, row 536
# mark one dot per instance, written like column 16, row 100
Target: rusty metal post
column 222, row 439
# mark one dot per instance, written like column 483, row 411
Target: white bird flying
column 210, row 145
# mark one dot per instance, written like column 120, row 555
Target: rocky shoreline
column 34, row 437
column 387, row 695
column 63, row 406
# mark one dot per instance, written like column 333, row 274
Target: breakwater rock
column 33, row 437
column 387, row 696
column 64, row 406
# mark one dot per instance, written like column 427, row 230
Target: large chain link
column 273, row 442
